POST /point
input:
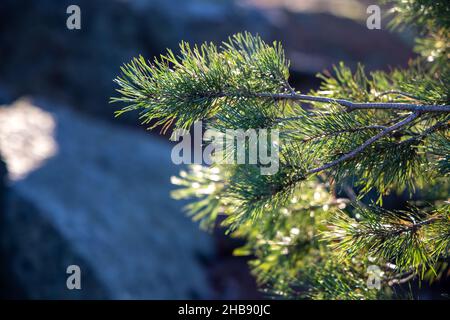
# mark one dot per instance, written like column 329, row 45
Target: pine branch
column 425, row 108
column 411, row 240
column 441, row 125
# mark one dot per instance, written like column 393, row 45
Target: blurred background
column 80, row 187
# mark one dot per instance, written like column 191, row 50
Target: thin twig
column 400, row 93
column 405, row 276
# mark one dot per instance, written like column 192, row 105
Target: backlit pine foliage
column 311, row 227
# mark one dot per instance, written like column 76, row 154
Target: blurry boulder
column 5, row 289
column 86, row 193
column 3, row 175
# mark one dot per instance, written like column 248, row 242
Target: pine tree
column 310, row 227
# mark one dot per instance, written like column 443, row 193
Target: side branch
column 367, row 143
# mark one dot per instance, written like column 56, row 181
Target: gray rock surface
column 95, row 195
